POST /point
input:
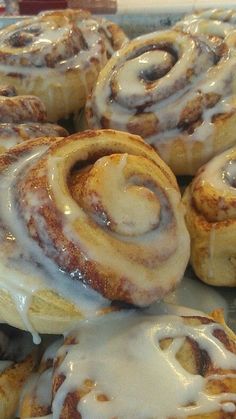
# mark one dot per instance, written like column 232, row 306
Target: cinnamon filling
column 156, row 72
column 93, row 186
column 23, row 38
column 161, row 46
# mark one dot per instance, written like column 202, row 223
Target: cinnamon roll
column 17, row 361
column 174, row 89
column 211, row 219
column 57, row 56
column 130, row 365
column 215, row 24
column 98, row 213
column 22, row 118
column 112, row 34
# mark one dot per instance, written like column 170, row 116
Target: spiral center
column 154, row 65
column 229, row 173
column 108, row 196
column 22, row 38
column 138, row 75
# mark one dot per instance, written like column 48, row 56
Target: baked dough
column 57, row 56
column 174, row 89
column 211, row 219
column 126, row 364
column 95, row 215
column 23, row 117
column 17, row 361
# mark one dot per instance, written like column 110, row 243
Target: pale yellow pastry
column 57, row 57
column 85, row 220
column 176, row 90
column 133, row 365
column 210, row 203
column 17, row 361
column 23, row 117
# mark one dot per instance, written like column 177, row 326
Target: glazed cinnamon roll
column 129, row 365
column 57, row 56
column 211, row 219
column 22, row 118
column 97, row 212
column 174, row 89
column 112, row 34
column 17, row 361
column 215, row 24
column 36, row 397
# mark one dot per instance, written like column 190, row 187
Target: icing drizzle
column 122, row 354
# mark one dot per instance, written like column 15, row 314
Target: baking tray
column 192, row 292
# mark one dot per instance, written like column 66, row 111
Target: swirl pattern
column 15, row 109
column 211, row 218
column 23, row 117
column 103, row 206
column 215, row 24
column 174, row 89
column 124, row 364
column 56, row 56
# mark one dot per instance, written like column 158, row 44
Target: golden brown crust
column 128, row 161
column 18, row 359
column 174, row 108
column 210, row 216
column 112, row 34
column 23, row 117
column 192, row 357
column 49, row 312
column 21, row 108
column 11, row 383
column 215, row 25
column 30, row 406
column 62, row 70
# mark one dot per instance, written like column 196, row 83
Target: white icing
column 229, row 407
column 126, row 100
column 102, row 248
column 200, row 24
column 52, row 350
column 128, row 209
column 51, row 35
column 206, row 128
column 54, row 40
column 220, row 171
column 131, row 77
column 22, row 261
column 230, row 173
column 20, row 255
column 43, row 391
column 120, row 353
column 10, row 141
column 12, row 134
column 219, row 14
column 216, row 183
